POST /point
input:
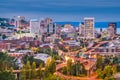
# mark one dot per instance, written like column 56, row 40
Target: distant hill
column 97, row 24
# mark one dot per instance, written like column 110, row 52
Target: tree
column 47, row 50
column 11, row 70
column 50, row 77
column 40, row 50
column 118, row 68
column 106, row 61
column 40, row 72
column 5, row 61
column 47, row 66
column 69, row 66
column 50, row 66
column 77, row 55
column 99, row 61
column 31, row 59
column 107, row 73
column 114, row 68
column 77, row 68
column 33, row 71
column 28, row 70
column 5, row 75
column 100, row 73
column 115, row 60
column 23, row 73
column 82, row 69
column 64, row 70
column 4, row 36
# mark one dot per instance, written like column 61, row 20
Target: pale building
column 51, row 27
column 34, row 26
column 112, row 29
column 89, row 27
column 47, row 26
column 82, row 30
column 42, row 26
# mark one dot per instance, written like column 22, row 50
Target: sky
column 62, row 10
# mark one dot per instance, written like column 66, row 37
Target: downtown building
column 18, row 21
column 47, row 26
column 68, row 31
column 44, row 25
column 51, row 28
column 82, row 30
column 34, row 26
column 47, row 29
column 112, row 29
column 86, row 29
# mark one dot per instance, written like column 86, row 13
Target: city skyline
column 62, row 10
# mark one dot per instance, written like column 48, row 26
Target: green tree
column 33, row 70
column 5, row 61
column 69, row 66
column 114, row 68
column 77, row 68
column 5, row 75
column 23, row 73
column 106, row 61
column 28, row 70
column 82, row 69
column 109, row 78
column 99, row 61
column 40, row 50
column 118, row 68
column 47, row 50
column 47, row 66
column 64, row 70
column 11, row 69
column 50, row 77
column 31, row 59
column 50, row 66
column 40, row 72
column 107, row 73
column 115, row 60
column 4, row 36
column 100, row 73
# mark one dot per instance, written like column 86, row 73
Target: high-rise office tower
column 50, row 27
column 89, row 27
column 82, row 30
column 34, row 26
column 46, row 25
column 42, row 27
column 112, row 28
column 17, row 22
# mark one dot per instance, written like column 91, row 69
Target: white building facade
column 89, row 28
column 34, row 26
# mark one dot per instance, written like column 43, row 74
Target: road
column 98, row 45
column 88, row 66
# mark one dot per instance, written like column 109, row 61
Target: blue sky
column 62, row 10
